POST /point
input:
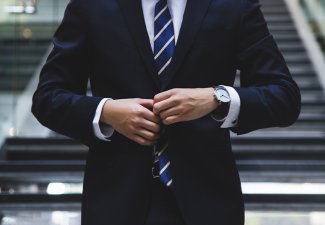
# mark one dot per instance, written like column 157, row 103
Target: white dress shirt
column 177, row 8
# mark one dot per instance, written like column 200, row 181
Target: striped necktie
column 164, row 46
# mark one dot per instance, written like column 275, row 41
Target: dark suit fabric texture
column 163, row 208
column 106, row 42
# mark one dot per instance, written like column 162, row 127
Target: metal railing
column 26, row 29
column 309, row 15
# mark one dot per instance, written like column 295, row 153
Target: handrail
column 316, row 12
column 309, row 41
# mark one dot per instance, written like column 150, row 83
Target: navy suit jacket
column 106, row 42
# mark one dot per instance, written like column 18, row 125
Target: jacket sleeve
column 269, row 96
column 60, row 102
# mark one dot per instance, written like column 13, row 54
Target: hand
column 178, row 105
column 133, row 118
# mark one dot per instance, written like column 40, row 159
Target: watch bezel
column 217, row 96
column 223, row 106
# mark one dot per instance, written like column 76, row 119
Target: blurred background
column 282, row 170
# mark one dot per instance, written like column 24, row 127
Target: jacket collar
column 194, row 13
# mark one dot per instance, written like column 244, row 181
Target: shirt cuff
column 231, row 119
column 101, row 130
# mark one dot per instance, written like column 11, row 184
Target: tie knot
column 160, row 5
column 162, row 2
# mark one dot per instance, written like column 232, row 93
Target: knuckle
column 184, row 110
column 141, row 141
column 146, row 142
column 130, row 127
column 156, row 97
column 166, row 121
column 152, row 136
column 134, row 121
column 139, row 121
column 156, row 109
column 140, row 112
column 174, row 100
column 137, row 111
column 162, row 115
column 149, row 135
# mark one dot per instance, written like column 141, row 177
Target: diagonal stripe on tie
column 163, row 149
column 163, row 29
column 161, row 12
column 164, row 168
column 164, row 47
column 164, row 67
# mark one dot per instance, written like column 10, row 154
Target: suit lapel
column 193, row 16
column 194, row 13
column 132, row 11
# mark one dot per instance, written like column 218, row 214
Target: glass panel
column 26, row 28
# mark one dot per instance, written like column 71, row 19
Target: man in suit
column 157, row 124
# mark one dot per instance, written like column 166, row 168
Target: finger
column 147, row 103
column 170, row 112
column 149, row 115
column 142, row 141
column 164, row 95
column 172, row 119
column 147, row 135
column 164, row 105
column 151, row 126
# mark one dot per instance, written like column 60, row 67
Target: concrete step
column 20, row 60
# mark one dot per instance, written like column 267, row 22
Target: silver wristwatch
column 223, row 98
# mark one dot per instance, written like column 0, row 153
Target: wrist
column 105, row 115
column 212, row 99
column 222, row 96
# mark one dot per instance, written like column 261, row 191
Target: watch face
column 222, row 95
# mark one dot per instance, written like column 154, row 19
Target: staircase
column 292, row 155
column 19, row 59
column 22, row 48
column 295, row 154
column 311, row 122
